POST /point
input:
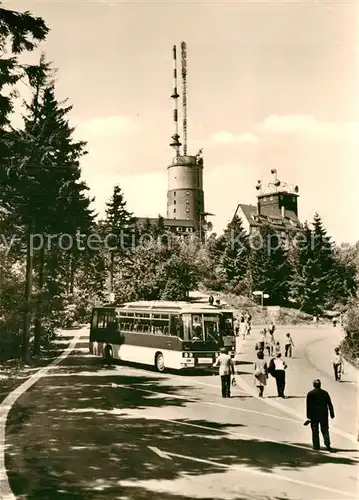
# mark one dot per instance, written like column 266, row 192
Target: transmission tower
column 184, row 94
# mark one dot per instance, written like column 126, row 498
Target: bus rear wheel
column 159, row 362
column 108, row 355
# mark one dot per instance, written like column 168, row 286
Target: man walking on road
column 277, row 369
column 288, row 346
column 319, row 405
column 337, row 364
column 226, row 369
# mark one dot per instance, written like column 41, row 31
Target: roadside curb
column 10, row 400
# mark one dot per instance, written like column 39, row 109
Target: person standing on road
column 335, row 321
column 271, row 329
column 263, row 338
column 319, row 405
column 277, row 368
column 260, row 373
column 226, row 369
column 277, row 349
column 337, row 364
column 271, row 343
column 236, row 327
column 243, row 327
column 288, row 346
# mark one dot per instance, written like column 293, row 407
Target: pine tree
column 22, row 32
column 235, row 254
column 270, row 266
column 51, row 197
column 159, row 227
column 315, row 276
column 305, row 285
column 118, row 226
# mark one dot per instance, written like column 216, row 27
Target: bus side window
column 94, row 318
column 101, row 321
column 186, row 326
column 176, row 328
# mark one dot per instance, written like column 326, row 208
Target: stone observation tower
column 277, row 206
column 185, row 196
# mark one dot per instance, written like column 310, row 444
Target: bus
column 163, row 334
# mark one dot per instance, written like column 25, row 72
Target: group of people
column 268, row 343
column 318, row 402
column 276, row 368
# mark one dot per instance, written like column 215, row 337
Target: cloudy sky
column 271, row 84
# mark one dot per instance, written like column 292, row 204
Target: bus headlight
column 190, row 355
column 185, row 354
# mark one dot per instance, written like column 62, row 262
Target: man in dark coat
column 319, row 405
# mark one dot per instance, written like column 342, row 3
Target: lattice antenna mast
column 175, row 138
column 184, row 94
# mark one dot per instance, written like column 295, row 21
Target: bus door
column 227, row 332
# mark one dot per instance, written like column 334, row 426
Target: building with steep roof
column 277, row 206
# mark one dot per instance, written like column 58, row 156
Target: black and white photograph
column 179, row 250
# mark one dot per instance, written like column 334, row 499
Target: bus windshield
column 205, row 327
column 227, row 323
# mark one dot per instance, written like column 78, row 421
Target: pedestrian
column 337, row 364
column 319, row 405
column 243, row 327
column 236, row 327
column 277, row 349
column 315, row 320
column 277, row 369
column 271, row 329
column 237, row 337
column 263, row 338
column 335, row 321
column 267, row 345
column 260, row 373
column 271, row 343
column 226, row 369
column 248, row 327
column 289, row 344
column 211, row 300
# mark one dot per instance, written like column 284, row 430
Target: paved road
column 90, row 432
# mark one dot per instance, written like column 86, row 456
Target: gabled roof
column 271, row 216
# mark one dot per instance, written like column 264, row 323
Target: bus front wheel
column 159, row 362
column 108, row 354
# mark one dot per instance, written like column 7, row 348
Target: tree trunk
column 112, row 271
column 41, row 282
column 25, row 354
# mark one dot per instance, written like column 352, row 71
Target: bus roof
column 169, row 306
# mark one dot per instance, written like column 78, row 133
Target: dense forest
column 58, row 258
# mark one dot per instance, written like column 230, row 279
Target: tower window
column 174, row 202
column 174, row 193
column 174, row 210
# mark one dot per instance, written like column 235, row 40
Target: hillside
column 260, row 315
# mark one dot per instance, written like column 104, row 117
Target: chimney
column 258, row 206
column 283, row 211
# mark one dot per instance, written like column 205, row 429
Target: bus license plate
column 208, row 361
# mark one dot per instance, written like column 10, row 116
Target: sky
column 270, row 85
